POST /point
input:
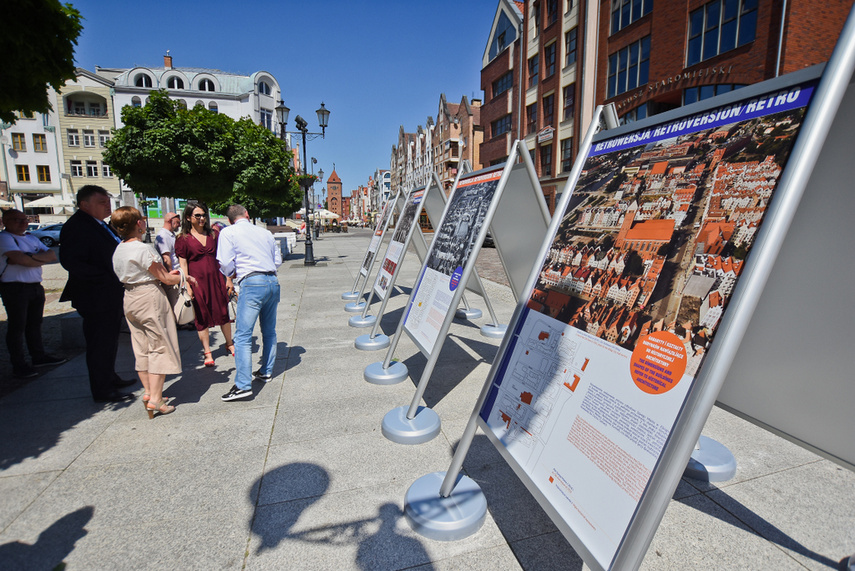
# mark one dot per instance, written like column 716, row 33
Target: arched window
column 264, row 88
column 213, row 107
column 182, row 103
column 142, row 80
column 206, row 85
column 136, row 102
column 199, row 104
column 175, row 83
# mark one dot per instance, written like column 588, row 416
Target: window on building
column 175, row 83
column 628, row 67
column 625, row 12
column 531, row 118
column 79, row 108
column 546, row 160
column 23, row 172
column 91, row 168
column 634, row 115
column 535, row 17
column 570, row 47
column 142, row 80
column 43, row 172
column 88, row 138
column 551, row 12
column 533, row 70
column 501, row 126
column 569, row 95
column 103, row 137
column 39, row 143
column 549, row 109
column 264, row 88
column 213, row 107
column 503, row 84
column 19, row 142
column 76, row 168
column 266, row 118
column 549, row 59
column 135, row 102
column 720, row 26
column 73, row 138
column 106, row 171
column 566, row 154
column 693, row 94
column 206, row 85
column 95, row 110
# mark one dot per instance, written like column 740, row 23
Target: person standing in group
column 153, row 336
column 196, row 248
column 165, row 240
column 21, row 259
column 249, row 255
column 86, row 251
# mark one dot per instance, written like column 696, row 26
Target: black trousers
column 101, row 331
column 25, row 305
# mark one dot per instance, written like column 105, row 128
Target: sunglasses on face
column 199, row 216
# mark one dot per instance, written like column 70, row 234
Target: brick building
column 644, row 57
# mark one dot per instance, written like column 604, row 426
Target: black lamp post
column 302, row 128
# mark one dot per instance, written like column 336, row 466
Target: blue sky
column 376, row 65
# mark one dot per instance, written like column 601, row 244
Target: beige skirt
column 153, row 334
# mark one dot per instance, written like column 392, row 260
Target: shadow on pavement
column 53, row 545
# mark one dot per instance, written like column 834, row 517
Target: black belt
column 250, row 274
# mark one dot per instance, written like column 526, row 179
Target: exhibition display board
column 370, row 253
column 639, row 301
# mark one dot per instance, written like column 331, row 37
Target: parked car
column 49, row 235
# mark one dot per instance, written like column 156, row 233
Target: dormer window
column 175, row 83
column 206, row 85
column 142, row 80
column 264, row 88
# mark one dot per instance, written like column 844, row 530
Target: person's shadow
column 52, row 546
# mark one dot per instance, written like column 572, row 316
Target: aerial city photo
column 656, row 235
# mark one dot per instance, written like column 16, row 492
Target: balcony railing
column 87, row 113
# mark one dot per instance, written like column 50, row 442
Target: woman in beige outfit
column 153, row 336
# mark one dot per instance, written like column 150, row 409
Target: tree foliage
column 166, row 150
column 37, row 44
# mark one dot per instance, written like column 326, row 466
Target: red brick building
column 645, row 56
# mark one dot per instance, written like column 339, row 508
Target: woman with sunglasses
column 196, row 248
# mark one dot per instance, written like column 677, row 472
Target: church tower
column 334, row 194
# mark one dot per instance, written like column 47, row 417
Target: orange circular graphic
column 658, row 362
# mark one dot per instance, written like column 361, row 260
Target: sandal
column 231, row 349
column 147, row 397
column 209, row 361
column 161, row 408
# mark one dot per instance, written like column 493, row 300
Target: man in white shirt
column 165, row 240
column 250, row 256
column 21, row 259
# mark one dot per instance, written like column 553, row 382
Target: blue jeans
column 258, row 300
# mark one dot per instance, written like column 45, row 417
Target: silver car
column 49, row 235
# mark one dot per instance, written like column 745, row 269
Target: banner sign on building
column 449, row 252
column 627, row 303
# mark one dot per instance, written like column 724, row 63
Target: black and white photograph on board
column 405, row 221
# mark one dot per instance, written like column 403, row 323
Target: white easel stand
column 711, row 462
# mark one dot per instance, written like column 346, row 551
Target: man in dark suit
column 86, row 252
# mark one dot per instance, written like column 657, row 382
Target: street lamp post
column 302, row 128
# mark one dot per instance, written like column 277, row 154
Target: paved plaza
column 300, row 476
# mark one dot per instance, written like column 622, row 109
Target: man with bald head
column 165, row 240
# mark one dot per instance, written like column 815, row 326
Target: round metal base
column 712, row 462
column 458, row 516
column 471, row 313
column 494, row 331
column 350, row 295
column 366, row 343
column 376, row 374
column 360, row 321
column 422, row 428
column 354, row 307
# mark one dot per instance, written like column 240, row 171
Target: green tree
column 166, row 150
column 37, row 44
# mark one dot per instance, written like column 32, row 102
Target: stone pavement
column 300, row 477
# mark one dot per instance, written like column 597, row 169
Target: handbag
column 233, row 307
column 183, row 306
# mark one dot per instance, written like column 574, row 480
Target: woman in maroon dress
column 196, row 248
